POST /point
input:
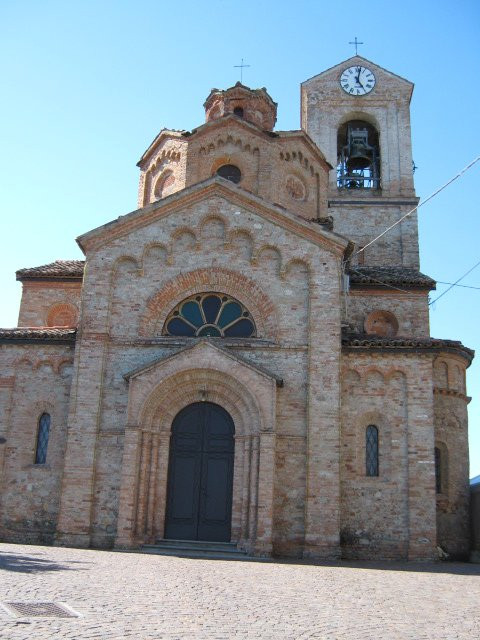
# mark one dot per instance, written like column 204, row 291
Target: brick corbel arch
column 217, row 279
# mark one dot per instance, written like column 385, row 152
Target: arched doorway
column 200, row 474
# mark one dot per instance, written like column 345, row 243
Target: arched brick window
column 371, row 450
column 212, row 315
column 43, row 434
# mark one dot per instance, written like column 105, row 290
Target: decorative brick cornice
column 29, row 335
column 452, row 393
column 363, row 342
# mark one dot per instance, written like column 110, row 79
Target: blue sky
column 87, row 86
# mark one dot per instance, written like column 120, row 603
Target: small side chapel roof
column 65, row 269
column 385, row 276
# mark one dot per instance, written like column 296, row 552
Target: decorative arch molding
column 56, row 363
column 215, row 279
column 359, row 115
column 241, row 145
column 156, row 395
column 195, row 385
column 292, row 155
column 164, row 157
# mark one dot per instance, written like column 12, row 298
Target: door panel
column 200, row 476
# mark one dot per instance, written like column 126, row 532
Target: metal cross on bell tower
column 356, row 43
column 241, row 67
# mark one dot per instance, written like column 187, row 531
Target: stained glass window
column 371, row 450
column 210, row 314
column 42, row 439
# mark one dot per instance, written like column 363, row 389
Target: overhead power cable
column 464, row 286
column 421, row 204
column 455, row 283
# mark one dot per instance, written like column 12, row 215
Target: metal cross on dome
column 241, row 67
column 356, row 43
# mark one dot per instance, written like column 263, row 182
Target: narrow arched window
column 238, row 111
column 438, row 470
column 371, row 450
column 42, row 438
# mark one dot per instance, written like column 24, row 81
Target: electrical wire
column 455, row 283
column 421, row 204
column 464, row 286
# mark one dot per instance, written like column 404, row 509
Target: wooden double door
column 200, row 474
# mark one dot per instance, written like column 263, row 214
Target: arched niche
column 358, row 155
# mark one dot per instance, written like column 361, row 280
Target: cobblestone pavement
column 129, row 595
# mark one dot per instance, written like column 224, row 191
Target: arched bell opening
column 358, row 151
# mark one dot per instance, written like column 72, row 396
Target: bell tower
column 358, row 114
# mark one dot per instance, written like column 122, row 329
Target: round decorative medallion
column 295, row 188
column 381, row 323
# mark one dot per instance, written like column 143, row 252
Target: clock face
column 357, row 81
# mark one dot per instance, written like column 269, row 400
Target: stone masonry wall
column 409, row 308
column 451, row 439
column 213, row 245
column 39, row 298
column 35, row 379
column 392, row 515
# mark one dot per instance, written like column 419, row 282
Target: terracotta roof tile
column 393, row 276
column 71, row 269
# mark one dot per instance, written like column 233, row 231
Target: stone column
column 421, row 463
column 266, row 477
column 127, row 507
column 78, row 482
column 162, row 481
column 322, row 500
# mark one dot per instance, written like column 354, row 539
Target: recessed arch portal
column 200, row 474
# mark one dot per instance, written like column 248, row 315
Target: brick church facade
column 229, row 364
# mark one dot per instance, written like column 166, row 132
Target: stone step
column 196, row 549
column 198, row 544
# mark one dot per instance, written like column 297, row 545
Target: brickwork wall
column 40, row 298
column 409, row 308
column 163, row 171
column 325, row 107
column 451, row 438
column 34, row 380
column 392, row 515
column 131, row 285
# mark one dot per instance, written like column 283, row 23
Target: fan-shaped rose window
column 210, row 314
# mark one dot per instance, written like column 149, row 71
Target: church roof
column 390, row 276
column 214, row 186
column 65, row 269
column 363, row 341
column 28, row 335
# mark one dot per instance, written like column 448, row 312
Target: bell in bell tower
column 358, row 156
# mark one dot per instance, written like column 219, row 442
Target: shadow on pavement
column 33, row 564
